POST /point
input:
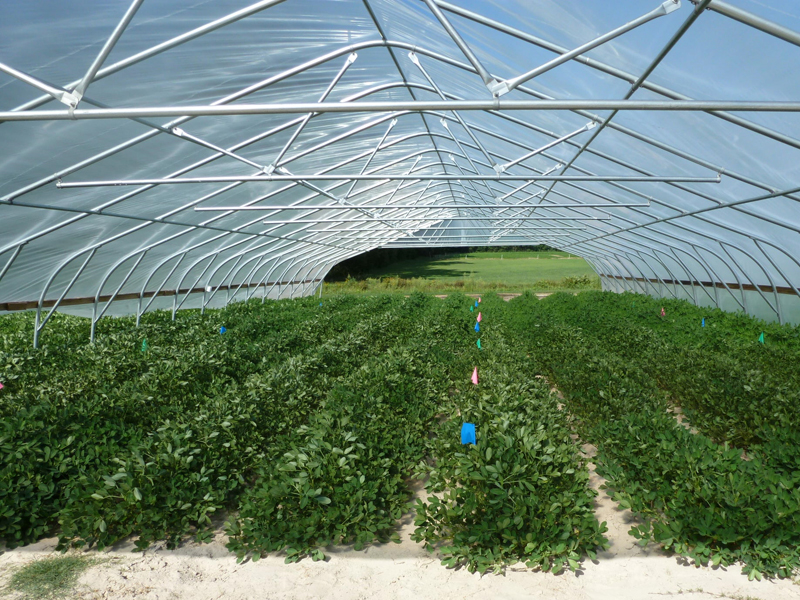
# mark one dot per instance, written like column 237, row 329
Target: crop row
column 308, row 425
column 107, row 440
column 729, row 385
column 699, row 498
column 344, row 476
column 520, row 494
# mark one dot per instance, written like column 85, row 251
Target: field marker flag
column 471, row 309
column 475, row 376
column 144, row 345
column 761, row 338
column 479, row 344
column 703, row 324
column 479, row 317
column 1, row 386
column 663, row 314
column 320, row 303
column 468, row 433
column 477, row 327
column 479, row 299
column 222, row 330
column 476, row 303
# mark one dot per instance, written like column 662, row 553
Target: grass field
column 479, row 271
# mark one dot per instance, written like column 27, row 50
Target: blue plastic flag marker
column 320, row 303
column 477, row 326
column 476, row 304
column 468, row 433
column 703, row 324
column 761, row 338
column 222, row 330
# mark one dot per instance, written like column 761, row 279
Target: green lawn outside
column 518, row 254
column 479, row 271
column 516, row 268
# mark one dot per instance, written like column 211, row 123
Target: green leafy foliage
column 307, row 426
column 344, row 477
column 520, row 493
column 621, row 371
column 88, row 429
column 697, row 366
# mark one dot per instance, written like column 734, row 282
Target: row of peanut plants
column 346, row 476
column 106, row 440
column 732, row 387
column 305, row 425
column 520, row 493
column 622, row 367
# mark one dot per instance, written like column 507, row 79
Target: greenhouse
column 178, row 179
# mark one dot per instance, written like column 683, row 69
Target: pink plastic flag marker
column 1, row 386
column 475, row 376
column 479, row 317
column 479, row 299
column 663, row 314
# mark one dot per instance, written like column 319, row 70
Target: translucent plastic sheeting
column 140, row 243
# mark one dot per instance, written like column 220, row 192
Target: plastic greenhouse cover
column 104, row 241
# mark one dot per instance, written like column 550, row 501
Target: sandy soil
column 406, row 570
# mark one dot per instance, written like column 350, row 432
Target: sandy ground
column 403, row 571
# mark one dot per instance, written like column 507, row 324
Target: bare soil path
column 402, row 571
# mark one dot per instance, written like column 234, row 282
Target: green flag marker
column 471, row 308
column 761, row 338
column 479, row 344
column 144, row 345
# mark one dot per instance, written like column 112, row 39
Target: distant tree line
column 358, row 266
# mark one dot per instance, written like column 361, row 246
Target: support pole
column 489, row 81
column 737, row 14
column 80, row 89
column 664, row 9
